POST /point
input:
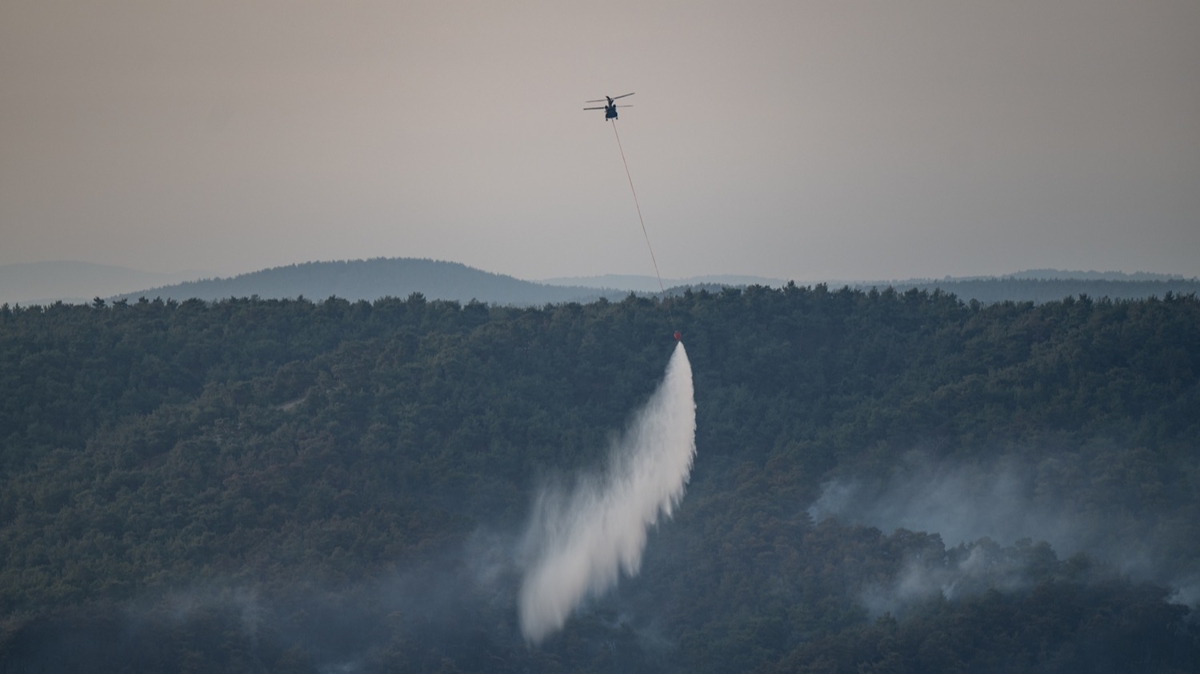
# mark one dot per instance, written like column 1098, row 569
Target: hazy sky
column 792, row 139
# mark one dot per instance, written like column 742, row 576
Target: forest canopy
column 289, row 485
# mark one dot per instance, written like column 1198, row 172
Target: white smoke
column 965, row 572
column 1008, row 501
column 578, row 543
column 961, row 503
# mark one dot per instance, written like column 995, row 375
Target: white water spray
column 578, row 543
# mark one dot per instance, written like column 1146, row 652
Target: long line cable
column 661, row 289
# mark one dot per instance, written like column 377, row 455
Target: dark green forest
column 296, row 486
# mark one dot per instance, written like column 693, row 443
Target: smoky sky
column 803, row 140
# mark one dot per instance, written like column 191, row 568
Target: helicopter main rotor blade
column 622, row 95
column 600, row 108
column 598, row 100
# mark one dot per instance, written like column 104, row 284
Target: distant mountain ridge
column 375, row 278
column 649, row 284
column 1037, row 290
column 79, row 282
column 1059, row 274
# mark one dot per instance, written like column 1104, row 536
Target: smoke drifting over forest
column 962, row 504
column 579, row 542
column 960, row 572
column 976, row 509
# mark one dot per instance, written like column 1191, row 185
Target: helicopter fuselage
column 610, row 105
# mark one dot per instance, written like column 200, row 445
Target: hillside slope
column 268, row 485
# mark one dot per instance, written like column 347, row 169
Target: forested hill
column 376, row 278
column 883, row 482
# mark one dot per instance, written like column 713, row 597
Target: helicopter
column 610, row 109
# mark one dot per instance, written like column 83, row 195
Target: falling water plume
column 579, row 542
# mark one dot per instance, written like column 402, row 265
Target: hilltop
column 376, row 278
